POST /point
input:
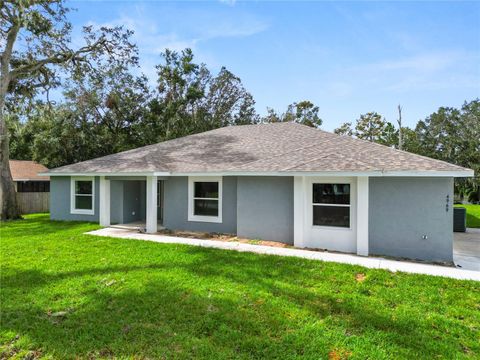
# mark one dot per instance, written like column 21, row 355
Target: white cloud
column 228, row 2
column 430, row 62
column 196, row 27
column 433, row 71
column 155, row 31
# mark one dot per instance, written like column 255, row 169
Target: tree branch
column 57, row 59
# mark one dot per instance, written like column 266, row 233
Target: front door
column 160, row 202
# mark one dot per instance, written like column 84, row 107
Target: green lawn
column 473, row 215
column 69, row 295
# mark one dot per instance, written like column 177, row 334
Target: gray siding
column 402, row 210
column 176, row 207
column 265, row 208
column 60, row 200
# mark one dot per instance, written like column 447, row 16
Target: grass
column 473, row 215
column 69, row 295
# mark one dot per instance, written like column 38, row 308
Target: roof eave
column 396, row 173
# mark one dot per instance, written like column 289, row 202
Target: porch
column 131, row 203
column 139, row 225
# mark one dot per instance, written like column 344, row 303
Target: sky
column 348, row 58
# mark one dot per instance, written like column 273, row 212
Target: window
column 205, row 199
column 82, row 195
column 331, row 205
column 33, row 186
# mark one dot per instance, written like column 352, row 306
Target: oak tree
column 36, row 44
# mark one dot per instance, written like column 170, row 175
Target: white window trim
column 73, row 210
column 333, row 205
column 191, row 192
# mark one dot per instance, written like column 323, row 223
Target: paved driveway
column 466, row 249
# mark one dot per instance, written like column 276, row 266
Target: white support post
column 362, row 215
column 151, row 194
column 298, row 210
column 104, row 201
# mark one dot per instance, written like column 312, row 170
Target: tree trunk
column 400, row 135
column 8, row 198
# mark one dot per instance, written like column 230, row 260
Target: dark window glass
column 206, row 190
column 33, row 186
column 83, row 187
column 331, row 194
column 338, row 216
column 83, row 202
column 206, row 207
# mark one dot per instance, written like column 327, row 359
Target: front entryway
column 127, row 201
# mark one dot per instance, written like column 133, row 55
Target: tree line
column 110, row 109
column 449, row 134
column 60, row 104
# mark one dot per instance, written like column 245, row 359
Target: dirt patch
column 222, row 237
column 234, row 238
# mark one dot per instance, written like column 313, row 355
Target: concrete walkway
column 466, row 249
column 369, row 262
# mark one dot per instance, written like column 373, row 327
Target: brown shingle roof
column 27, row 170
column 279, row 147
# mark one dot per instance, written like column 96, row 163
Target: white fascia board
column 432, row 173
column 413, row 173
column 278, row 173
column 107, row 174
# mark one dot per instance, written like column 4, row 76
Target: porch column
column 151, row 194
column 104, row 214
column 362, row 215
column 298, row 210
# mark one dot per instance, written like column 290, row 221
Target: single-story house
column 32, row 189
column 283, row 182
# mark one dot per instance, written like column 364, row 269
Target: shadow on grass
column 217, row 304
column 41, row 225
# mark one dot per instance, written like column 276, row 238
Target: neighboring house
column 32, row 189
column 284, row 182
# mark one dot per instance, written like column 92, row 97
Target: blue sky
column 347, row 57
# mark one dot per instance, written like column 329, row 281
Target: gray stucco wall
column 133, row 201
column 402, row 210
column 265, row 208
column 116, row 202
column 176, row 207
column 127, row 201
column 60, row 200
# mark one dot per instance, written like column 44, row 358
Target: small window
column 82, row 196
column 331, row 205
column 205, row 199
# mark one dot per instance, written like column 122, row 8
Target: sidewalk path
column 369, row 262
